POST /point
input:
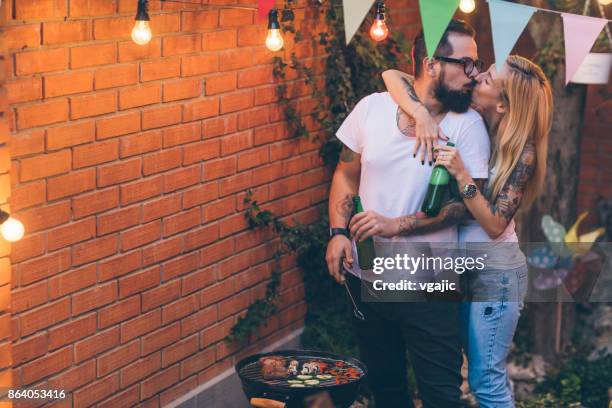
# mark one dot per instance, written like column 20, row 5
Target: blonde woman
column 516, row 104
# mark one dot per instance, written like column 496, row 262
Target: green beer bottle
column 365, row 249
column 438, row 183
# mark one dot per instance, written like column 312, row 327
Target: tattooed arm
column 495, row 216
column 451, row 214
column 413, row 118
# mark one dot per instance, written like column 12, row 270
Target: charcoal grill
column 277, row 393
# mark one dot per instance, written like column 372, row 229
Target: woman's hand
column 449, row 157
column 427, row 134
column 368, row 223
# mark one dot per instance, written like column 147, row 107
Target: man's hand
column 339, row 250
column 368, row 223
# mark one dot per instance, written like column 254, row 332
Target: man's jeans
column 488, row 325
column 429, row 331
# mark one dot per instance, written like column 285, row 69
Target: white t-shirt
column 394, row 183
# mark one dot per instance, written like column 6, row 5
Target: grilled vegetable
column 297, row 385
column 324, row 376
column 295, row 381
column 304, row 377
column 311, row 382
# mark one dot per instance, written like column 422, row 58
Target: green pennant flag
column 435, row 16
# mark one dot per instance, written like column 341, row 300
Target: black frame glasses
column 468, row 64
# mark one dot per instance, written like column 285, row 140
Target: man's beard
column 452, row 100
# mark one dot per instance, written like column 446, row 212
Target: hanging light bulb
column 11, row 229
column 274, row 40
column 141, row 33
column 605, row 2
column 379, row 30
column 467, row 6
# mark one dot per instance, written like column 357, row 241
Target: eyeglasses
column 468, row 64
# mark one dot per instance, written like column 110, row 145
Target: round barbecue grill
column 278, row 393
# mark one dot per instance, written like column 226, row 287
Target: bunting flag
column 508, row 20
column 354, row 13
column 435, row 16
column 263, row 8
column 579, row 33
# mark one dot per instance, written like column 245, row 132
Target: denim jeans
column 488, row 323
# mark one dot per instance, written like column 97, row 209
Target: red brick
column 92, row 105
column 29, row 247
column 140, row 235
column 181, row 178
column 252, row 35
column 233, row 305
column 141, row 190
column 40, row 9
column 95, row 153
column 181, row 222
column 232, row 224
column 202, row 236
column 219, row 209
column 29, row 349
column 200, row 195
column 65, row 32
column 197, row 152
column 72, row 233
column 23, row 90
column 199, row 64
column 20, row 37
column 42, row 267
column 182, row 134
column 68, row 83
column 139, row 282
column 236, row 101
column 265, row 95
column 235, row 17
column 198, row 362
column 118, row 220
column 94, row 203
column 44, row 316
column 253, row 158
column 255, row 76
column 80, row 8
column 180, row 266
column 198, row 321
column 201, row 20
column 160, row 381
column 233, row 184
column 162, row 250
column 182, row 89
column 180, row 350
column 45, row 165
column 94, row 250
column 27, row 144
column 120, row 75
column 198, row 280
column 143, row 368
column 166, row 23
column 72, row 281
column 130, row 51
column 265, row 174
column 160, row 69
column 140, row 325
column 216, row 84
column 113, row 28
column 160, row 117
column 27, row 195
column 119, row 266
column 118, row 125
column 200, row 109
column 120, row 357
column 27, row 297
column 182, row 44
column 216, row 333
column 71, row 184
column 125, row 399
column 41, row 114
column 97, row 391
column 161, row 207
column 236, row 142
column 70, row 135
column 92, row 55
column 94, row 298
column 161, row 295
column 219, row 168
column 219, row 126
column 140, row 96
column 72, row 331
column 119, row 312
column 219, row 40
column 46, row 366
column 141, row 143
column 271, row 133
column 235, row 59
column 100, row 342
column 35, row 62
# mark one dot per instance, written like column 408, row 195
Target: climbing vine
column 351, row 72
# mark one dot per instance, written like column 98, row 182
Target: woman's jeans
column 488, row 323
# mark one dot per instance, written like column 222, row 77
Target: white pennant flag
column 354, row 13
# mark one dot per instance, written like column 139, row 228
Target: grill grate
column 252, row 371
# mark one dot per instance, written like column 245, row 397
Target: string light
column 467, row 6
column 605, row 2
column 12, row 230
column 274, row 40
column 141, row 33
column 379, row 30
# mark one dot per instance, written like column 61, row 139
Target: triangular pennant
column 579, row 34
column 435, row 16
column 263, row 8
column 354, row 13
column 508, row 20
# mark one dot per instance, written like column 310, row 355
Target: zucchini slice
column 304, row 377
column 295, row 381
column 325, row 376
column 312, row 382
column 297, row 385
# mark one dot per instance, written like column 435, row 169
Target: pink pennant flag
column 263, row 8
column 579, row 33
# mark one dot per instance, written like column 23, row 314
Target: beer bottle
column 438, row 184
column 365, row 249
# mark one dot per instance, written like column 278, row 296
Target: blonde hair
column 527, row 95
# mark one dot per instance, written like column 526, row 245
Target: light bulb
column 467, row 6
column 141, row 33
column 379, row 30
column 12, row 229
column 274, row 40
column 605, row 2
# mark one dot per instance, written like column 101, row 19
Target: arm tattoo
column 405, row 122
column 451, row 213
column 509, row 198
column 347, row 155
column 344, row 208
column 409, row 87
